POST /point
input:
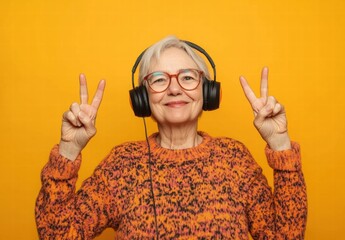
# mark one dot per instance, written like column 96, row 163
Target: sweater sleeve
column 283, row 213
column 61, row 213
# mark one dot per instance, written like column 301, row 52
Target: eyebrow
column 179, row 71
column 157, row 73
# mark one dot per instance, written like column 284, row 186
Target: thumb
column 88, row 123
column 262, row 115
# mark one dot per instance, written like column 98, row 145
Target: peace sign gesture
column 270, row 117
column 78, row 123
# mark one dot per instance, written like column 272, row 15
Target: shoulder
column 125, row 155
column 233, row 149
column 228, row 145
column 236, row 155
column 132, row 148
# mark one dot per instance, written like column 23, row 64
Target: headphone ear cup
column 211, row 95
column 140, row 101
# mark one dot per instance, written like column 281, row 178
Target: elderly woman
column 181, row 183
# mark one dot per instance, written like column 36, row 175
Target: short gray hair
column 154, row 51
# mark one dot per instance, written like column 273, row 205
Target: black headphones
column 211, row 89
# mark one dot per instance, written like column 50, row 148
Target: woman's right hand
column 78, row 123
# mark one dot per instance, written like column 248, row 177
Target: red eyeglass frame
column 176, row 76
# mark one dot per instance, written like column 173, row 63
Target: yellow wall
column 44, row 45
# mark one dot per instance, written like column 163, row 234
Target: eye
column 157, row 78
column 187, row 75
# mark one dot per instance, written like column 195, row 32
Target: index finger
column 83, row 89
column 97, row 99
column 264, row 83
column 247, row 90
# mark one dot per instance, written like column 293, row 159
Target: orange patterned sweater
column 213, row 191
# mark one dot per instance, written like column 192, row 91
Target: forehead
column 171, row 60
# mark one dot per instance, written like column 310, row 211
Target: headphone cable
column 151, row 181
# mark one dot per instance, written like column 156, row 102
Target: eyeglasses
column 188, row 79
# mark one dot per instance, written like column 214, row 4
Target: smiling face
column 175, row 105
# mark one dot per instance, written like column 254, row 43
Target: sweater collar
column 172, row 155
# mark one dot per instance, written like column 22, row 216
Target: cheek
column 155, row 97
column 196, row 95
column 199, row 100
column 156, row 109
column 154, row 101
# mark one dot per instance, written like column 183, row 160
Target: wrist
column 280, row 142
column 68, row 150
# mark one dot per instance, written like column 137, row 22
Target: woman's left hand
column 270, row 117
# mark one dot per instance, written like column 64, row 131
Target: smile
column 176, row 104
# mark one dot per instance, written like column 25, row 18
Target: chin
column 177, row 119
column 178, row 116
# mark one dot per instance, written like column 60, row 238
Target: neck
column 178, row 137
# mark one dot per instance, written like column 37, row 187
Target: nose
column 174, row 87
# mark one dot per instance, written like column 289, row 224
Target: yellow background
column 44, row 45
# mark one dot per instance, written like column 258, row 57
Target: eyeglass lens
column 188, row 79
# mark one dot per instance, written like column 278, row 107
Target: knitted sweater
column 215, row 190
